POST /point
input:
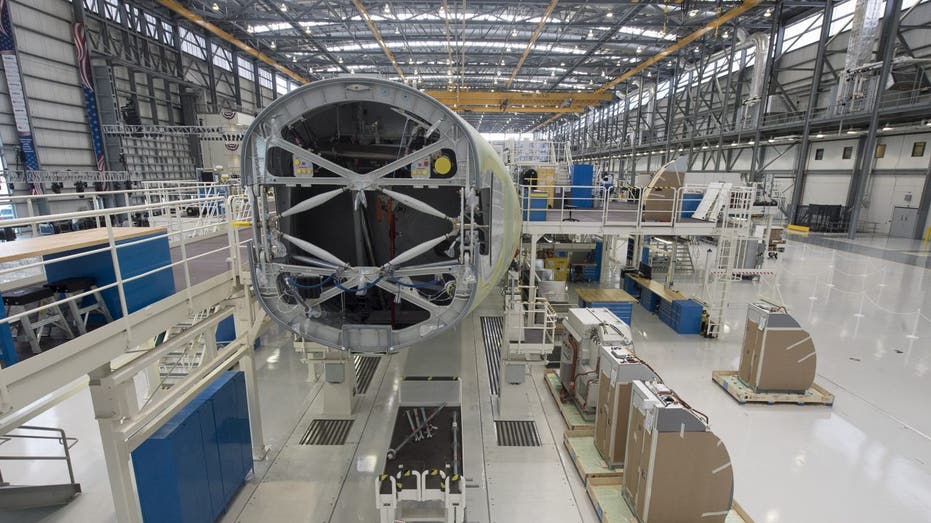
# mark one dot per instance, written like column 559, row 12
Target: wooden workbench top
column 604, row 295
column 68, row 241
column 659, row 289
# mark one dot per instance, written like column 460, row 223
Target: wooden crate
column 611, row 507
column 570, row 413
column 743, row 393
column 586, row 458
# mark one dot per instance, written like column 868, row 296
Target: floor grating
column 327, row 432
column 517, row 434
column 365, row 371
column 492, row 332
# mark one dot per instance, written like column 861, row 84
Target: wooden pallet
column 570, row 413
column 586, row 458
column 611, row 507
column 743, row 393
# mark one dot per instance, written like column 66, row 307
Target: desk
column 615, row 300
column 134, row 260
column 659, row 289
column 674, row 309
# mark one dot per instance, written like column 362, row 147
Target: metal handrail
column 178, row 236
column 63, row 439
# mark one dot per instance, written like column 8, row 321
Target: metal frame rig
column 381, row 217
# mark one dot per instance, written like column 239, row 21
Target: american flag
column 6, row 28
column 90, row 101
column 17, row 99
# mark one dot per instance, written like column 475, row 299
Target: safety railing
column 617, row 205
column 537, row 322
column 177, row 253
column 31, row 432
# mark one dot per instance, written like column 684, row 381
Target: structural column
column 864, row 168
column 801, row 161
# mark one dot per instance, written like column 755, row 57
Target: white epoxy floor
column 867, row 459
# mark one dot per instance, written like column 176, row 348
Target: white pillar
column 109, row 408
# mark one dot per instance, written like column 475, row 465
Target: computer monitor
column 646, row 271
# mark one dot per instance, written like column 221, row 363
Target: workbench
column 615, row 300
column 133, row 261
column 673, row 307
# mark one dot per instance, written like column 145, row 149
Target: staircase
column 661, row 249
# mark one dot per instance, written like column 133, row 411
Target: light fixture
column 609, row 14
column 273, row 45
column 284, row 8
column 768, row 13
column 819, row 135
column 307, row 30
column 215, row 6
column 387, row 9
column 693, row 12
column 514, row 33
column 639, row 50
column 591, row 34
column 888, row 128
column 852, row 131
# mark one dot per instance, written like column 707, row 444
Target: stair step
column 21, row 497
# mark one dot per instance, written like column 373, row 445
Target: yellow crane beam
column 223, row 35
column 680, row 44
column 512, row 98
column 519, row 109
column 378, row 38
column 533, row 40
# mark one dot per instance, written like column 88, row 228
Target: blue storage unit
column 648, row 300
column 690, row 203
column 631, row 287
column 134, row 260
column 623, row 310
column 536, row 205
column 684, row 316
column 189, row 470
column 226, row 331
column 582, row 181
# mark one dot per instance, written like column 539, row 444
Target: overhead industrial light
column 387, row 9
column 215, row 6
column 693, row 12
column 819, row 135
column 284, row 8
column 609, row 14
column 852, row 131
column 273, row 45
column 888, row 128
column 768, row 13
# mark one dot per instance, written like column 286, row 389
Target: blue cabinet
column 582, row 182
column 135, row 259
column 624, row 310
column 189, row 469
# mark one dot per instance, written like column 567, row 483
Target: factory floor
column 866, row 459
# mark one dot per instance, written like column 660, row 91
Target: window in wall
column 192, row 44
column 848, row 152
column 90, row 5
column 245, row 68
column 265, row 78
column 880, row 150
column 281, row 84
column 918, row 149
column 819, row 154
column 111, row 10
column 222, row 58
